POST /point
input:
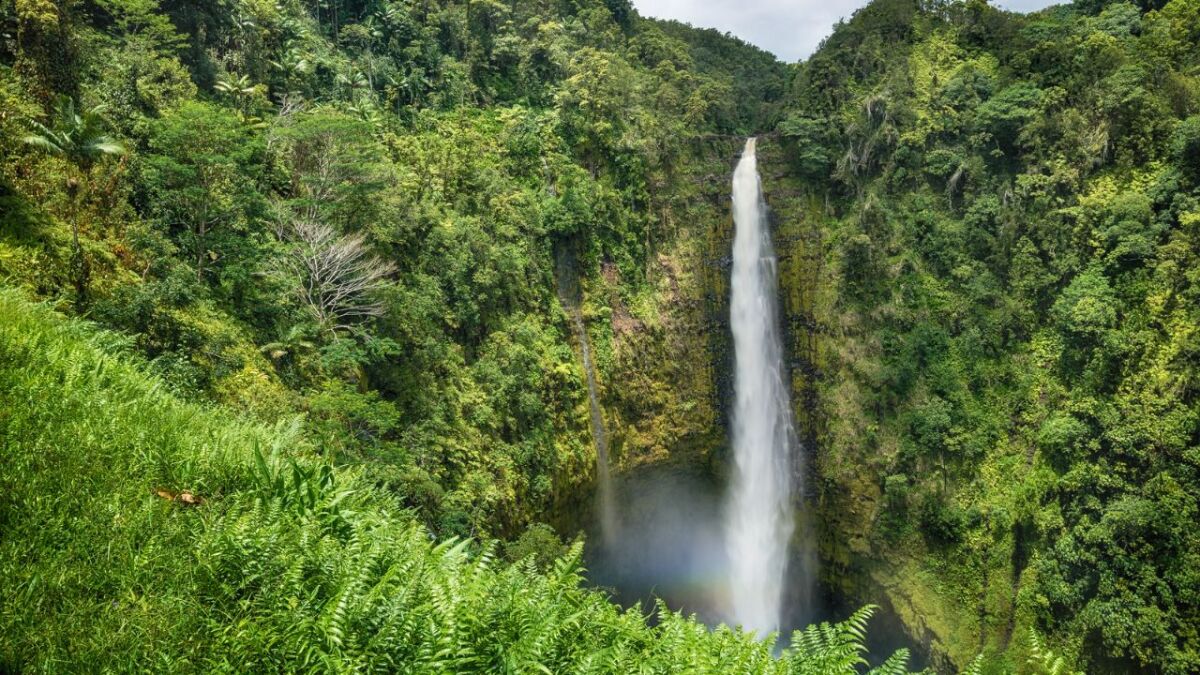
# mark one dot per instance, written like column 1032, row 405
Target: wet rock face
column 663, row 353
column 662, row 346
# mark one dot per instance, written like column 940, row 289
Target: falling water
column 608, row 513
column 568, row 294
column 759, row 511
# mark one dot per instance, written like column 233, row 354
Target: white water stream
column 608, row 507
column 759, row 520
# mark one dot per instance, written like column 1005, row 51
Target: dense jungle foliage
column 325, row 256
column 271, row 559
column 1006, row 322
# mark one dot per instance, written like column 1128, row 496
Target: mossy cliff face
column 956, row 601
column 662, row 353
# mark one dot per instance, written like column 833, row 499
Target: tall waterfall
column 759, row 520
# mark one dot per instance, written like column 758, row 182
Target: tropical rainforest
column 293, row 296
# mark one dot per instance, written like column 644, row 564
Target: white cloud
column 790, row 29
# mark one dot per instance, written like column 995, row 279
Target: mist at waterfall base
column 671, row 547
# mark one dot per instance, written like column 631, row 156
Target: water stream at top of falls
column 758, row 518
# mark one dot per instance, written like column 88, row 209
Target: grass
column 92, row 562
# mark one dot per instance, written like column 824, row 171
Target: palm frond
column 45, row 143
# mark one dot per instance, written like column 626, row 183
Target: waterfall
column 568, row 295
column 759, row 522
column 608, row 509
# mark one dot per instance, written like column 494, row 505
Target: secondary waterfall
column 569, row 296
column 608, row 509
column 759, row 522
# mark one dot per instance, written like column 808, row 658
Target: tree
column 241, row 90
column 838, row 648
column 338, row 277
column 47, row 53
column 1001, row 118
column 810, row 144
column 593, row 105
column 1185, row 145
column 79, row 137
column 339, row 172
column 198, row 175
column 1087, row 306
column 622, row 12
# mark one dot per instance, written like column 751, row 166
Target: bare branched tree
column 339, row 278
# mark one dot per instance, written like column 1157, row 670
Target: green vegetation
column 320, row 259
column 146, row 533
column 79, row 138
column 1003, row 322
column 329, row 238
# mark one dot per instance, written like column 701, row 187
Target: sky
column 790, row 29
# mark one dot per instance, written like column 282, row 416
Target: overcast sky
column 790, row 29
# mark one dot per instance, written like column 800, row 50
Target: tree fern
column 896, row 664
column 1044, row 660
column 828, row 648
column 975, row 667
